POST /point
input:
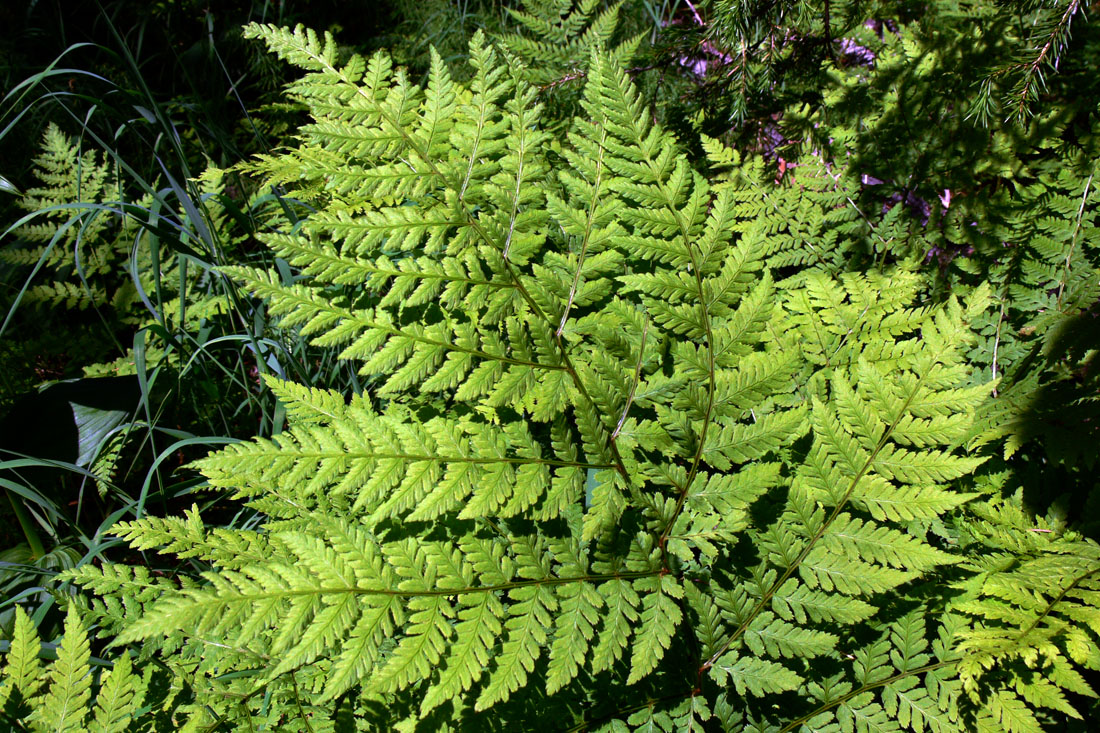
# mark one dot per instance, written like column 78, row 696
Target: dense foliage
column 724, row 366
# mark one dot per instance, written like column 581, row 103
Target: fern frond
column 1036, row 615
column 59, row 697
column 585, row 395
column 21, row 680
column 558, row 37
column 64, row 706
column 120, row 695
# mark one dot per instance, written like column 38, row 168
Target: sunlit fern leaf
column 596, row 439
column 59, row 696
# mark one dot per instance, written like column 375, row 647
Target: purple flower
column 853, row 54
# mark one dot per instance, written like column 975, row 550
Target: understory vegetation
column 550, row 365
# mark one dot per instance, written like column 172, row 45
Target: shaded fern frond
column 559, row 36
column 1032, row 632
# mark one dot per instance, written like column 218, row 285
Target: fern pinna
column 602, row 475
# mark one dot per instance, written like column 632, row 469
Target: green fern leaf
column 660, row 616
column 476, row 630
column 526, row 635
column 595, row 440
column 65, row 705
column 21, row 679
column 753, row 676
column 120, row 695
